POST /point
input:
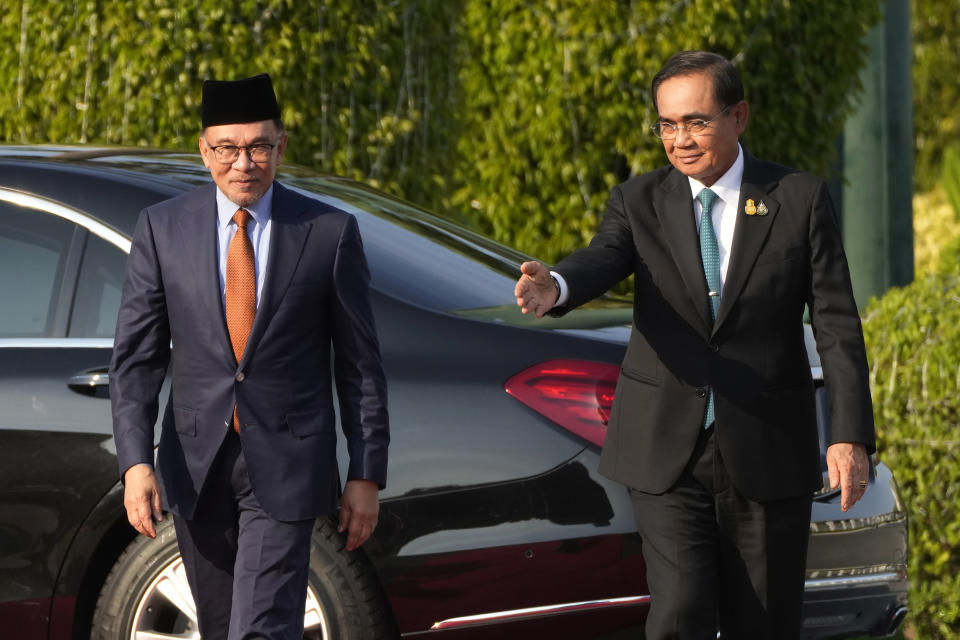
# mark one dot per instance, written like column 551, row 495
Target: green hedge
column 913, row 338
column 936, row 92
column 950, row 176
column 515, row 115
column 364, row 86
column 557, row 105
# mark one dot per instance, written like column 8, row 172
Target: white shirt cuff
column 564, row 290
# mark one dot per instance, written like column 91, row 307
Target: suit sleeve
column 141, row 351
column 361, row 384
column 608, row 259
column 837, row 329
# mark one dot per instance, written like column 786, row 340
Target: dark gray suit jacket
column 753, row 356
column 315, row 296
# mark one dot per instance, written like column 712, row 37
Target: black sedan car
column 495, row 522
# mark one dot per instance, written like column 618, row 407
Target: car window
column 421, row 258
column 34, row 247
column 98, row 290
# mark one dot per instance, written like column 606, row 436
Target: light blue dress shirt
column 258, row 229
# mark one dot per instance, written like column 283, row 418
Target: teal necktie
column 710, row 255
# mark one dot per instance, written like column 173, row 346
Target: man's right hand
column 141, row 499
column 536, row 289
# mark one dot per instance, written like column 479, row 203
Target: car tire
column 147, row 590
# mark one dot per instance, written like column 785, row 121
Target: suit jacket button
column 701, row 392
column 714, row 347
column 240, row 377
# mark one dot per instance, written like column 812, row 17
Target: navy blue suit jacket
column 315, row 298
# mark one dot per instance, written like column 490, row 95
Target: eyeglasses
column 228, row 153
column 669, row 130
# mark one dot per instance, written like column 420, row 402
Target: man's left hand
column 848, row 468
column 359, row 508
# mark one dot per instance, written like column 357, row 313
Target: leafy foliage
column 936, row 93
column 936, row 228
column 913, row 337
column 950, row 256
column 364, row 88
column 557, row 106
column 950, row 177
column 516, row 116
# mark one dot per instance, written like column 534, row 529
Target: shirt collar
column 259, row 210
column 728, row 186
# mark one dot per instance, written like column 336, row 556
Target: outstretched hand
column 536, row 289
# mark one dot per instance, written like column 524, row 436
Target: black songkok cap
column 238, row 101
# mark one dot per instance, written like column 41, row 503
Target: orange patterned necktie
column 240, row 290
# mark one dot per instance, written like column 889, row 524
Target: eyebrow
column 219, row 142
column 686, row 118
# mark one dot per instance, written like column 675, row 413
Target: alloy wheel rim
column 166, row 610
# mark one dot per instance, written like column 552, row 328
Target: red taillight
column 576, row 394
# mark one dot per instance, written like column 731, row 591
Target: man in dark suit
column 713, row 427
column 241, row 287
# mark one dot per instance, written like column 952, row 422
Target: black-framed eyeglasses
column 228, row 153
column 669, row 130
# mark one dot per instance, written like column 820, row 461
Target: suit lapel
column 288, row 236
column 198, row 228
column 750, row 234
column 674, row 207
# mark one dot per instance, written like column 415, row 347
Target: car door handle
column 95, row 383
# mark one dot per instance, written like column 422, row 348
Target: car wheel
column 147, row 595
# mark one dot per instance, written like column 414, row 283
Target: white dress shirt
column 724, row 211
column 258, row 229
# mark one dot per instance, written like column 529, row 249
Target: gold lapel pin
column 761, row 209
column 750, row 208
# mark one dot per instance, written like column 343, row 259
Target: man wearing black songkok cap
column 240, row 288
